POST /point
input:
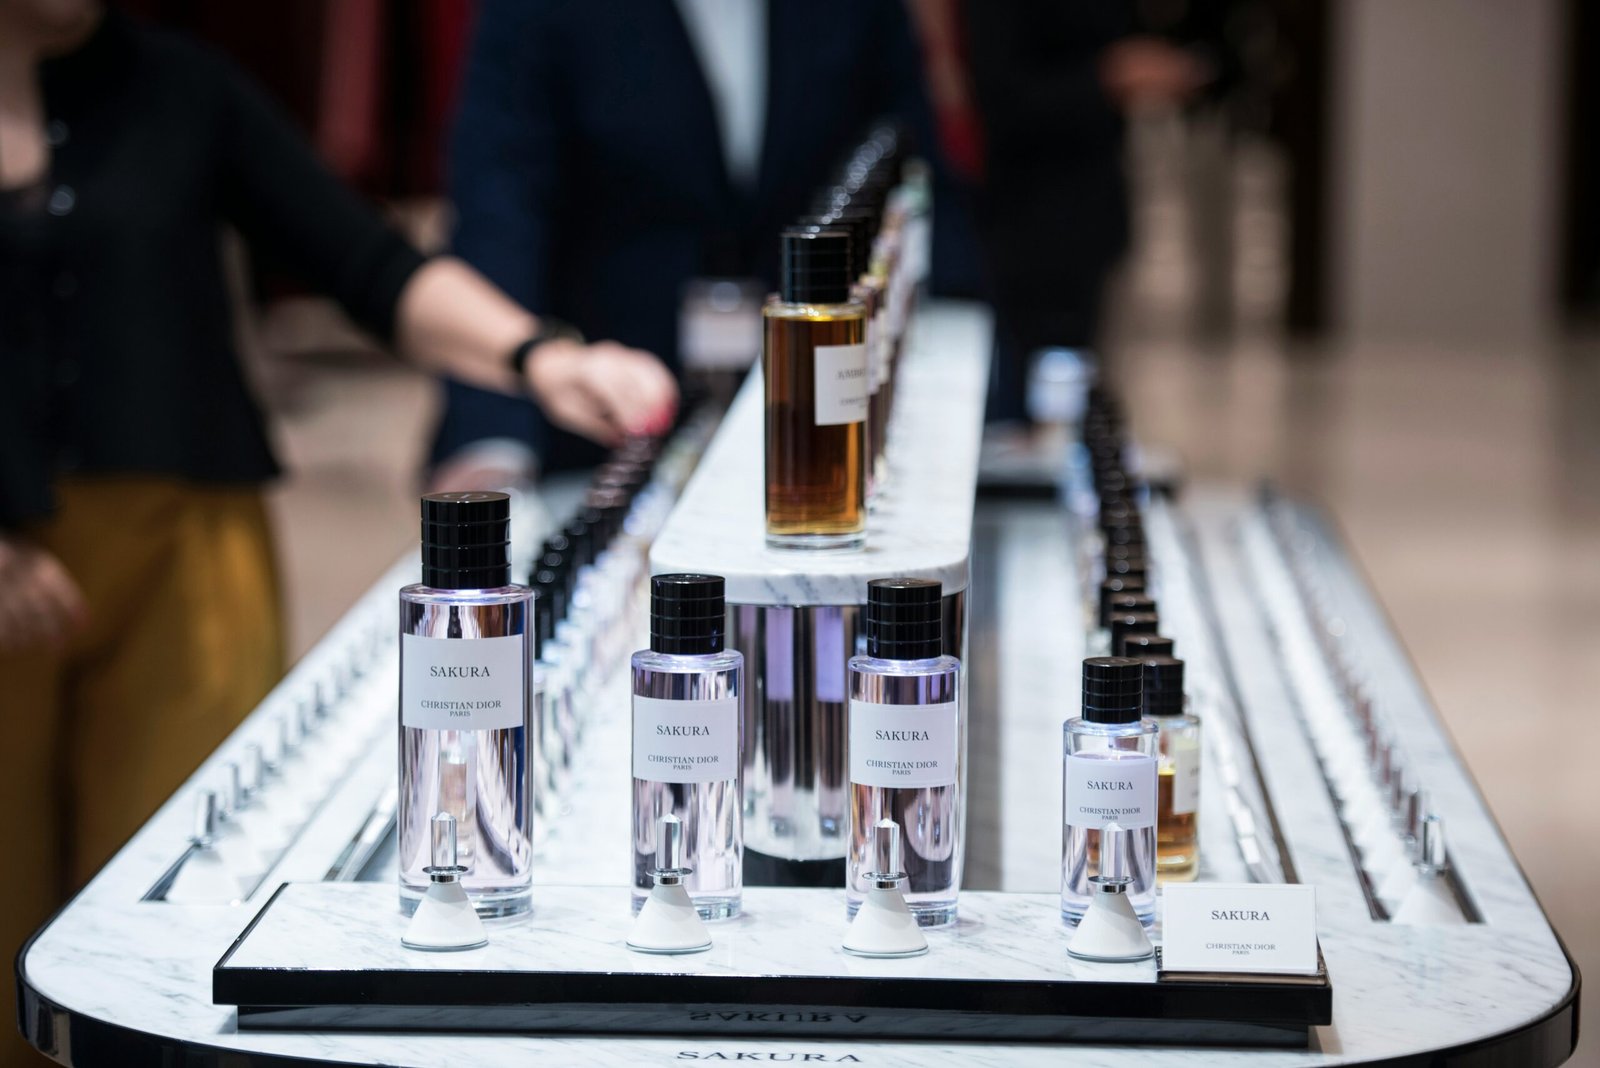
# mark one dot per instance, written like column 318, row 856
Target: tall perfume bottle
column 1178, row 808
column 464, row 690
column 906, row 733
column 688, row 740
column 1109, row 776
column 814, row 365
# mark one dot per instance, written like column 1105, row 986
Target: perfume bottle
column 1109, row 776
column 814, row 364
column 464, row 687
column 1178, row 773
column 688, row 741
column 555, row 728
column 905, row 747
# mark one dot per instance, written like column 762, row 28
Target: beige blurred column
column 1445, row 169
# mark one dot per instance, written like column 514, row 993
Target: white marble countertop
column 113, row 958
column 921, row 526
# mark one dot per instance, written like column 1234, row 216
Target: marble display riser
column 327, row 957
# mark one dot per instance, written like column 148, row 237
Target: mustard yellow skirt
column 185, row 636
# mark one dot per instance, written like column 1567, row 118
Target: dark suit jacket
column 589, row 179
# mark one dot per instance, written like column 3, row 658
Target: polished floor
column 1466, row 481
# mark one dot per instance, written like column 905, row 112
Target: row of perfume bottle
column 905, row 740
column 496, row 677
column 270, row 789
column 1382, row 803
column 1122, row 620
column 587, row 578
column 831, row 343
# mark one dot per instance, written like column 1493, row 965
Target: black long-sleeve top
column 117, row 349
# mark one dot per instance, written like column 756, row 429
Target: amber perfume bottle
column 814, row 363
column 1178, row 775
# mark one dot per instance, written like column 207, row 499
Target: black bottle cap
column 1125, row 623
column 815, row 266
column 582, row 536
column 548, row 583
column 558, row 561
column 1130, row 601
column 905, row 619
column 1118, row 512
column 599, row 521
column 852, row 222
column 1126, row 552
column 1132, row 566
column 1113, row 586
column 1144, row 646
column 1163, row 686
column 1129, row 534
column 688, row 616
column 1112, row 689
column 466, row 541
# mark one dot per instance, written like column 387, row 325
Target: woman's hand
column 604, row 391
column 40, row 604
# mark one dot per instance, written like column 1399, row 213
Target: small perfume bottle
column 814, row 365
column 464, row 685
column 1109, row 776
column 1178, row 774
column 906, row 742
column 688, row 741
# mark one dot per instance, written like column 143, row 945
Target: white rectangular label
column 463, row 684
column 911, row 746
column 685, row 741
column 1185, row 754
column 1239, row 927
column 841, row 384
column 1101, row 790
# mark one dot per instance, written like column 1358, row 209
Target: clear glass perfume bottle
column 1109, row 776
column 1178, row 773
column 555, row 727
column 907, row 736
column 464, row 689
column 814, row 367
column 688, row 741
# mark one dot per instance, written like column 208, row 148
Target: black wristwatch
column 550, row 329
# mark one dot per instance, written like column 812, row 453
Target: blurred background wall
column 1446, row 168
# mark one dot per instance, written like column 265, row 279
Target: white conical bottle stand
column 885, row 927
column 1430, row 901
column 1110, row 931
column 445, row 920
column 669, row 923
column 205, row 878
column 1396, row 883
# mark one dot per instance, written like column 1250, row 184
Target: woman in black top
column 131, row 450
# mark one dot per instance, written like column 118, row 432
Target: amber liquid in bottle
column 816, row 474
column 1177, row 833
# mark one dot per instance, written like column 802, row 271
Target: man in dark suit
column 607, row 152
